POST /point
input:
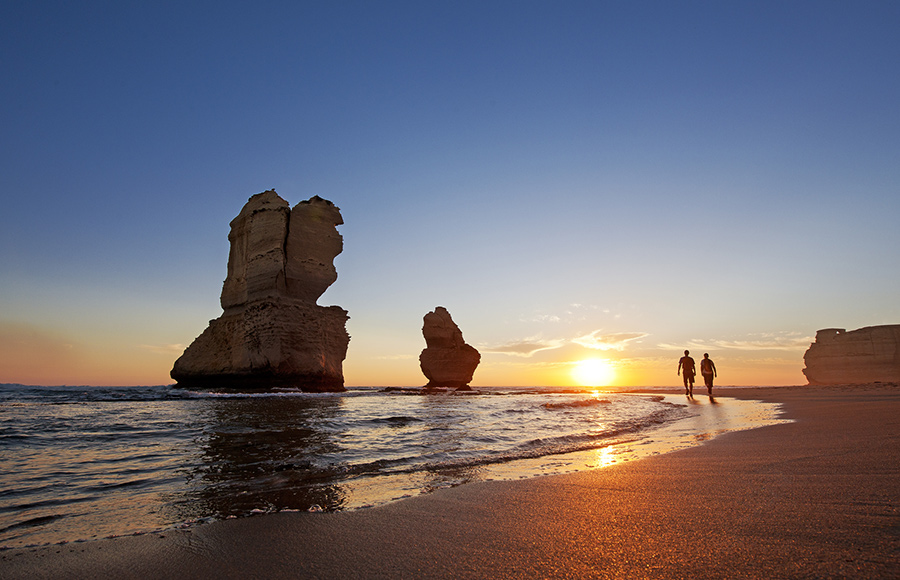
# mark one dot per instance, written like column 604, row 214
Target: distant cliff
column 866, row 355
column 272, row 333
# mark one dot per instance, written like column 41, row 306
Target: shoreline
column 814, row 497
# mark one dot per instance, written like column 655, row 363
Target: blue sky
column 639, row 176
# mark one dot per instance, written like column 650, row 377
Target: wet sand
column 815, row 498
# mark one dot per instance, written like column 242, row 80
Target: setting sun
column 593, row 372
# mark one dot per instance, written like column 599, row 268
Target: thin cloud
column 576, row 311
column 765, row 343
column 612, row 341
column 523, row 348
column 544, row 318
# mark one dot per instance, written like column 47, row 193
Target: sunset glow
column 571, row 182
column 593, row 372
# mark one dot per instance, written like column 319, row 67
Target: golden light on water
column 593, row 372
column 605, row 457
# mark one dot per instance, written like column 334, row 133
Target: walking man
column 708, row 370
column 686, row 364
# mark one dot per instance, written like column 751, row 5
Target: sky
column 605, row 180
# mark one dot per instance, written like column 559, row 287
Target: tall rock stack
column 865, row 355
column 447, row 360
column 272, row 333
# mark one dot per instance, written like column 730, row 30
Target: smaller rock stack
column 447, row 361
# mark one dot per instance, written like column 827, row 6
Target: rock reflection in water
column 259, row 453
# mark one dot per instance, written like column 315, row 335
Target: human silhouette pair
column 688, row 371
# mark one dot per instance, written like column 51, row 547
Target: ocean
column 81, row 463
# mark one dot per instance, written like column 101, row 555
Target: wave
column 577, row 404
column 624, row 431
column 396, row 421
column 122, row 484
column 30, row 523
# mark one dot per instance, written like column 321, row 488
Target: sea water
column 80, row 463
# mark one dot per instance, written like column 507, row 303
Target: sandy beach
column 814, row 498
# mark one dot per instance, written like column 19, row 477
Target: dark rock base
column 261, row 383
column 456, row 385
column 269, row 344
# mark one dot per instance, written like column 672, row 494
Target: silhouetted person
column 686, row 364
column 708, row 370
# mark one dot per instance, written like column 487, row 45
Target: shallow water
column 88, row 462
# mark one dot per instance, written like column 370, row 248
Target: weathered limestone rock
column 447, row 360
column 866, row 355
column 272, row 333
column 312, row 244
column 256, row 259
